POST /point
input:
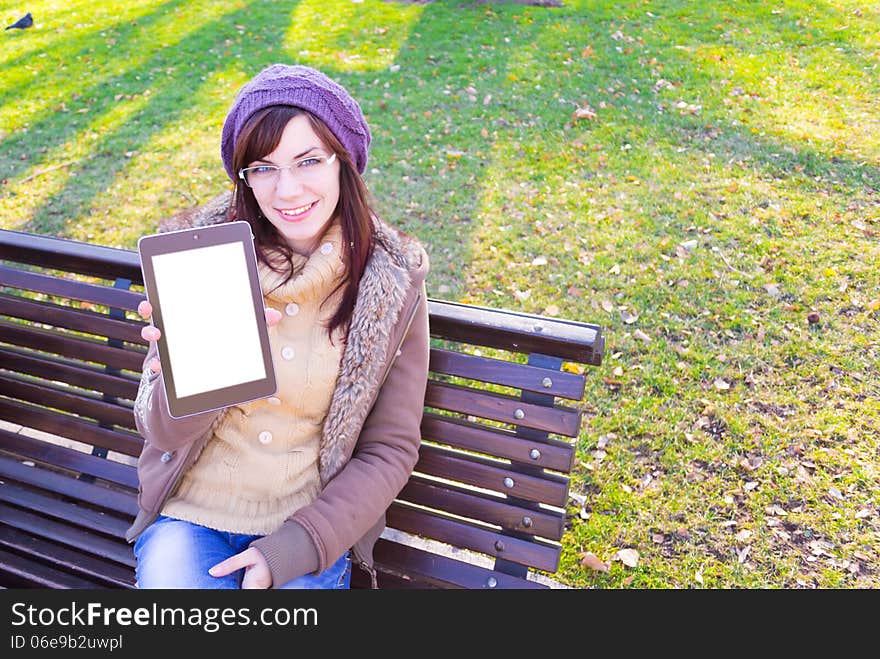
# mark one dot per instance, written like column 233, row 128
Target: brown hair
column 259, row 137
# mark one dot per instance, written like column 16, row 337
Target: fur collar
column 383, row 292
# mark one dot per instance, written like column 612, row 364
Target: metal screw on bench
column 527, row 522
column 547, row 382
column 491, row 582
column 534, row 454
column 538, row 328
column 499, row 546
column 508, row 482
column 519, row 414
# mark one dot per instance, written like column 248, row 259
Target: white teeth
column 297, row 211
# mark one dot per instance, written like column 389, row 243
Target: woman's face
column 302, row 202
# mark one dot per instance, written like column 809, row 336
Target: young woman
column 286, row 492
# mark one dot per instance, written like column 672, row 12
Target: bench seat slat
column 81, row 539
column 429, row 569
column 66, row 559
column 61, row 343
column 67, row 288
column 67, row 400
column 70, row 318
column 120, row 502
column 497, row 371
column 69, row 512
column 498, row 442
column 480, row 506
column 442, row 463
column 68, row 426
column 470, row 536
column 465, row 400
column 68, row 458
column 78, row 374
column 39, row 575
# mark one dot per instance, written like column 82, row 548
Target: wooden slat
column 70, row 255
column 62, row 343
column 557, row 419
column 68, row 288
column 73, row 488
column 430, row 569
column 482, row 507
column 67, row 458
column 69, row 318
column 509, row 374
column 67, row 560
column 66, row 534
column 76, row 402
column 38, row 574
column 435, row 461
column 56, row 369
column 64, row 425
column 69, row 512
column 518, row 332
column 469, row 536
column 498, row 442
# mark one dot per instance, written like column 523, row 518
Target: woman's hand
column 256, row 569
column 151, row 333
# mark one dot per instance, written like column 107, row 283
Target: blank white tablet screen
column 208, row 317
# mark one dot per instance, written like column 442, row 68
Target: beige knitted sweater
column 261, row 464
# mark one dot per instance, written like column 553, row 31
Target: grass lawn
column 701, row 179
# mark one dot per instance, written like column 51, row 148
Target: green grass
column 750, row 131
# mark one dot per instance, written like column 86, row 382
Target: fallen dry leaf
column 641, row 336
column 585, row 113
column 590, row 560
column 629, row 557
column 743, row 535
column 722, row 385
column 607, row 306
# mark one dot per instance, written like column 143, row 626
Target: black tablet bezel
column 195, row 238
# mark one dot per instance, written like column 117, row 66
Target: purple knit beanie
column 306, row 88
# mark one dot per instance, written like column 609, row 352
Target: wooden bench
column 484, row 509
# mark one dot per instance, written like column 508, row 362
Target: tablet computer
column 207, row 302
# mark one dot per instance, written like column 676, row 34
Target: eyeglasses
column 267, row 176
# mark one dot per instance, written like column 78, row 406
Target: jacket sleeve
column 384, row 457
column 152, row 418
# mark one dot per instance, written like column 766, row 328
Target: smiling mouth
column 296, row 212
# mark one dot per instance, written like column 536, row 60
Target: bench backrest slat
column 517, row 332
column 76, row 402
column 62, row 343
column 77, row 374
column 69, row 318
column 492, row 509
column 497, row 371
column 506, row 409
column 69, row 289
column 498, row 442
column 441, row 463
column 473, row 537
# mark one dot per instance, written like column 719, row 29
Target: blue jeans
column 172, row 553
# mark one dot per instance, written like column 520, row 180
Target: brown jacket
column 371, row 434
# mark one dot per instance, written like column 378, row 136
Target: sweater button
column 166, row 456
column 292, row 309
column 265, row 437
column 326, row 248
column 287, row 353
